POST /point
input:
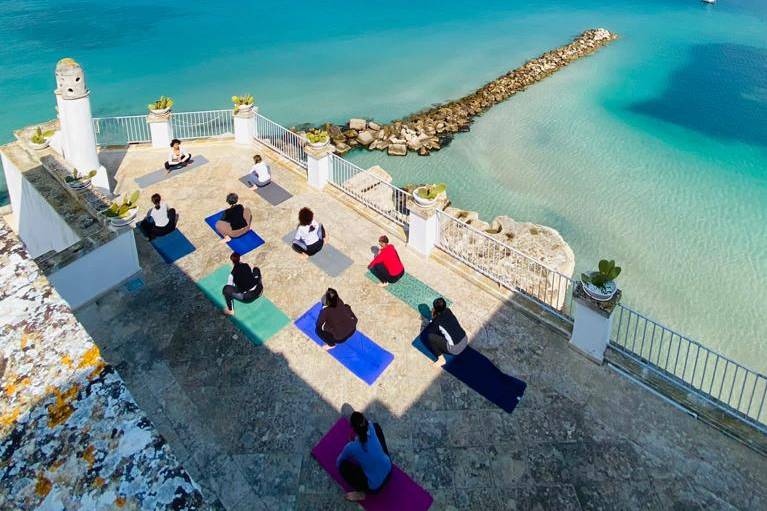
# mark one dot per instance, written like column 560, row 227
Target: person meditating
column 259, row 172
column 235, row 221
column 336, row 322
column 159, row 220
column 364, row 462
column 310, row 235
column 444, row 334
column 244, row 284
column 386, row 265
column 177, row 157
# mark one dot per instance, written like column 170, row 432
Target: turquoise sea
column 652, row 152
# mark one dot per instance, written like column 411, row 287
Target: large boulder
column 365, row 137
column 357, row 124
column 397, row 150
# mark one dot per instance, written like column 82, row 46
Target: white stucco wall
column 37, row 224
column 98, row 271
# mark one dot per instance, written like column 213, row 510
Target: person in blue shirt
column 364, row 462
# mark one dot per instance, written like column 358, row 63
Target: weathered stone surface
column 365, row 138
column 397, row 149
column 374, row 126
column 357, row 124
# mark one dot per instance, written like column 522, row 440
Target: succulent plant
column 430, row 192
column 316, row 136
column 161, row 104
column 40, row 136
column 121, row 209
column 607, row 273
column 76, row 176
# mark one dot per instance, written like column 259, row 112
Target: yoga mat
column 413, row 292
column 358, row 354
column 330, row 260
column 258, row 320
column 480, row 374
column 272, row 193
column 242, row 245
column 173, row 246
column 161, row 175
column 400, row 493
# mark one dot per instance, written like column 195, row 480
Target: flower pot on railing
column 318, row 138
column 161, row 107
column 77, row 181
column 427, row 195
column 600, row 285
column 122, row 213
column 600, row 293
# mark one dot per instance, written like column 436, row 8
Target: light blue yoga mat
column 330, row 260
column 161, row 175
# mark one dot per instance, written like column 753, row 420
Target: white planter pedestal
column 160, row 129
column 593, row 324
column 245, row 126
column 318, row 165
column 423, row 230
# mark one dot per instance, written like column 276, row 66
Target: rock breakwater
column 431, row 129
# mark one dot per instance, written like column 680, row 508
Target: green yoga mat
column 259, row 320
column 413, row 292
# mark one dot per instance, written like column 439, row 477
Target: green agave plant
column 76, row 176
column 161, row 104
column 607, row 272
column 317, row 136
column 431, row 192
column 120, row 210
column 40, row 136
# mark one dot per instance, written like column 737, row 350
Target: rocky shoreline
column 431, row 129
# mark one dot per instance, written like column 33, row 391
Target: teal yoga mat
column 258, row 320
column 413, row 292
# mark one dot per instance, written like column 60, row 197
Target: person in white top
column 177, row 157
column 310, row 234
column 160, row 220
column 259, row 172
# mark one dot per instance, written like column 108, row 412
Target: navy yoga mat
column 480, row 374
column 162, row 174
column 272, row 193
column 242, row 245
column 330, row 260
column 358, row 354
column 173, row 246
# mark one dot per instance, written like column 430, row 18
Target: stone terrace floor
column 243, row 418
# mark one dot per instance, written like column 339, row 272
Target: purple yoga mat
column 400, row 492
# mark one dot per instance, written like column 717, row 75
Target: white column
column 77, row 122
column 318, row 163
column 64, row 142
column 245, row 126
column 160, row 129
column 593, row 324
column 423, row 229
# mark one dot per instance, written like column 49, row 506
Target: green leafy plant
column 430, row 192
column 121, row 209
column 239, row 101
column 76, row 176
column 40, row 136
column 607, row 273
column 161, row 104
column 316, row 136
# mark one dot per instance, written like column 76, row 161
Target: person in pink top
column 386, row 266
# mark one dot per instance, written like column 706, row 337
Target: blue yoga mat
column 358, row 354
column 242, row 245
column 480, row 374
column 173, row 246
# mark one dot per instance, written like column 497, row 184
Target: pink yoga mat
column 400, row 493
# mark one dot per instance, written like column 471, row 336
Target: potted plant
column 161, row 106
column 318, row 138
column 600, row 285
column 426, row 195
column 39, row 139
column 122, row 213
column 79, row 181
column 242, row 104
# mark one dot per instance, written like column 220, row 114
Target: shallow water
column 652, row 152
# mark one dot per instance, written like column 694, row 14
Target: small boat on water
column 708, row 1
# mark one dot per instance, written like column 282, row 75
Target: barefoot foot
column 441, row 361
column 355, row 496
column 225, row 239
column 228, row 312
column 383, row 284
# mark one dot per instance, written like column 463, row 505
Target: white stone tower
column 72, row 98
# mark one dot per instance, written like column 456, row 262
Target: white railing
column 130, row 129
column 371, row 190
column 289, row 144
column 719, row 379
column 210, row 123
column 507, row 266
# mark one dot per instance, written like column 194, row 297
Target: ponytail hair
column 360, row 426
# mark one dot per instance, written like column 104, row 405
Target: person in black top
column 236, row 219
column 336, row 322
column 244, row 284
column 444, row 334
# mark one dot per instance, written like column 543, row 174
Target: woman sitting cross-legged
column 336, row 322
column 244, row 284
column 386, row 266
column 235, row 221
column 310, row 235
column 160, row 220
column 177, row 157
column 444, row 334
column 259, row 172
column 364, row 462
